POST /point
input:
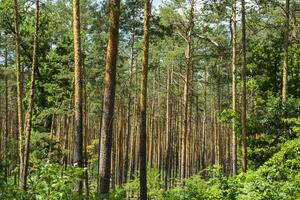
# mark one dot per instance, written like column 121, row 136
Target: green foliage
column 41, row 144
column 47, row 181
column 277, row 179
column 131, row 189
column 227, row 115
column 197, row 188
column 50, row 181
column 9, row 191
column 269, row 127
column 295, row 124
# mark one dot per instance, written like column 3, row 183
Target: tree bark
column 24, row 170
column 78, row 94
column 128, row 135
column 66, row 139
column 169, row 139
column 286, row 52
column 243, row 79
column 6, row 121
column 188, row 58
column 143, row 103
column 86, row 130
column 109, row 99
column 233, row 38
column 19, row 88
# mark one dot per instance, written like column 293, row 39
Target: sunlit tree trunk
column 19, row 89
column 78, row 94
column 286, row 52
column 109, row 99
column 233, row 38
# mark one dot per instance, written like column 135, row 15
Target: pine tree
column 143, row 103
column 109, row 99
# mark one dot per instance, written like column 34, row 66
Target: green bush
column 50, row 181
column 47, row 181
column 130, row 190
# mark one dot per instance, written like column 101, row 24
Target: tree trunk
column 86, row 130
column 52, row 131
column 143, row 103
column 243, row 79
column 233, row 38
column 78, row 94
column 109, row 99
column 286, row 52
column 66, row 139
column 218, row 112
column 169, row 139
column 6, row 122
column 204, row 128
column 128, row 135
column 19, row 89
column 24, row 171
column 188, row 58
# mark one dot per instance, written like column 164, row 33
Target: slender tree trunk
column 19, row 89
column 86, row 130
column 216, row 140
column 218, row 123
column 233, row 38
column 113, row 156
column 184, row 133
column 152, row 136
column 119, row 147
column 213, row 144
column 24, row 171
column 286, row 52
column 52, row 130
column 228, row 151
column 169, row 139
column 66, row 139
column 143, row 103
column 6, row 122
column 78, row 94
column 188, row 57
column 109, row 99
column 243, row 90
column 133, row 147
column 204, row 129
column 70, row 139
column 126, row 156
column 294, row 21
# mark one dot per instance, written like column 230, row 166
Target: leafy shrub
column 130, row 190
column 50, row 181
column 9, row 191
